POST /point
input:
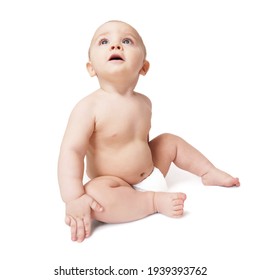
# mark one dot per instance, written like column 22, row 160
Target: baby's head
column 116, row 43
column 109, row 25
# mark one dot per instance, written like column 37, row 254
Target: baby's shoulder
column 144, row 98
column 85, row 106
column 87, row 101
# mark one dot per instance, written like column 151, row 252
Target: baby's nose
column 115, row 47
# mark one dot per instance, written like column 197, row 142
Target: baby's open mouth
column 115, row 57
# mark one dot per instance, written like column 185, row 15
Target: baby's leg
column 168, row 148
column 124, row 204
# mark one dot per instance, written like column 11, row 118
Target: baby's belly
column 132, row 163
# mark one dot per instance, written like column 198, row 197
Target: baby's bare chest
column 131, row 120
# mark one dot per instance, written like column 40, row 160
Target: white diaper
column 154, row 182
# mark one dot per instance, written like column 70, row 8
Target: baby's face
column 116, row 46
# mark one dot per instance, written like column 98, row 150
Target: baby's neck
column 118, row 88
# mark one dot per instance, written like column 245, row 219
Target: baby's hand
column 78, row 216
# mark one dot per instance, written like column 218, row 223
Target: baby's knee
column 168, row 139
column 97, row 184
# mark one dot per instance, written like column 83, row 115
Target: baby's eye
column 127, row 41
column 103, row 42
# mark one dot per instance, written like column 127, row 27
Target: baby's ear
column 90, row 69
column 145, row 68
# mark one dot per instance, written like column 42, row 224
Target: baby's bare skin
column 120, row 136
column 217, row 177
column 110, row 128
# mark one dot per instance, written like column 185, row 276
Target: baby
column 110, row 129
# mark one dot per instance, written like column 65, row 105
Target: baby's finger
column 96, row 206
column 73, row 229
column 87, row 224
column 67, row 220
column 80, row 230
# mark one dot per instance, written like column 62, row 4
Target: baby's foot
column 217, row 177
column 169, row 204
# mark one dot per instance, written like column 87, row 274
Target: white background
column 204, row 85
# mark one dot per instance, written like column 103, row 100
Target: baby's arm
column 71, row 168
